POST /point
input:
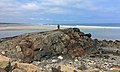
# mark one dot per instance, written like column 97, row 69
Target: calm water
column 99, row 34
column 14, row 33
column 113, row 34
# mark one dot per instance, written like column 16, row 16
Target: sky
column 60, row 11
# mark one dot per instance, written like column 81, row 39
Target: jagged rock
column 44, row 45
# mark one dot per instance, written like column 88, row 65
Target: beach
column 99, row 32
column 59, row 36
column 59, row 50
column 50, row 28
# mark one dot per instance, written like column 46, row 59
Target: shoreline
column 49, row 28
column 10, row 31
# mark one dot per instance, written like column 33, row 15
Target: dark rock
column 75, row 71
column 38, row 45
column 88, row 35
column 106, row 56
column 56, row 69
column 92, row 56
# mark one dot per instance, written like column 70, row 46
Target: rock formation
column 44, row 45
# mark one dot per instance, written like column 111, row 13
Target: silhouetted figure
column 88, row 35
column 58, row 26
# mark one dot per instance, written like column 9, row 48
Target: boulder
column 25, row 67
column 7, row 66
column 4, row 61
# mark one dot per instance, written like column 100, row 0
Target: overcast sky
column 60, row 11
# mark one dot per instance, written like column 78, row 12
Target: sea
column 103, row 34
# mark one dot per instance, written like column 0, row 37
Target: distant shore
column 47, row 28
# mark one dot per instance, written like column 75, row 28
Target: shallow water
column 113, row 34
column 17, row 32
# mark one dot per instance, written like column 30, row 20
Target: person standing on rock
column 58, row 26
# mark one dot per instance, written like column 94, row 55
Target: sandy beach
column 48, row 28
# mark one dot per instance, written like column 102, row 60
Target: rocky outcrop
column 44, row 45
column 108, row 43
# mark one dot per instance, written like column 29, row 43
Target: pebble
column 76, row 60
column 3, row 52
column 18, row 48
column 36, row 62
column 54, row 60
column 60, row 57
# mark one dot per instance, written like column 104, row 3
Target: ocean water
column 110, row 34
column 92, row 24
column 4, row 34
column 113, row 34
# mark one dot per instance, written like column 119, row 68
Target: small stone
column 18, row 48
column 36, row 62
column 76, row 60
column 54, row 60
column 60, row 57
column 3, row 52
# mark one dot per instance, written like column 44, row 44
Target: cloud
column 99, row 6
column 51, row 19
column 9, row 8
column 30, row 6
column 57, row 6
column 48, row 8
column 56, row 10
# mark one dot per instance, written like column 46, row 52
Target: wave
column 82, row 26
